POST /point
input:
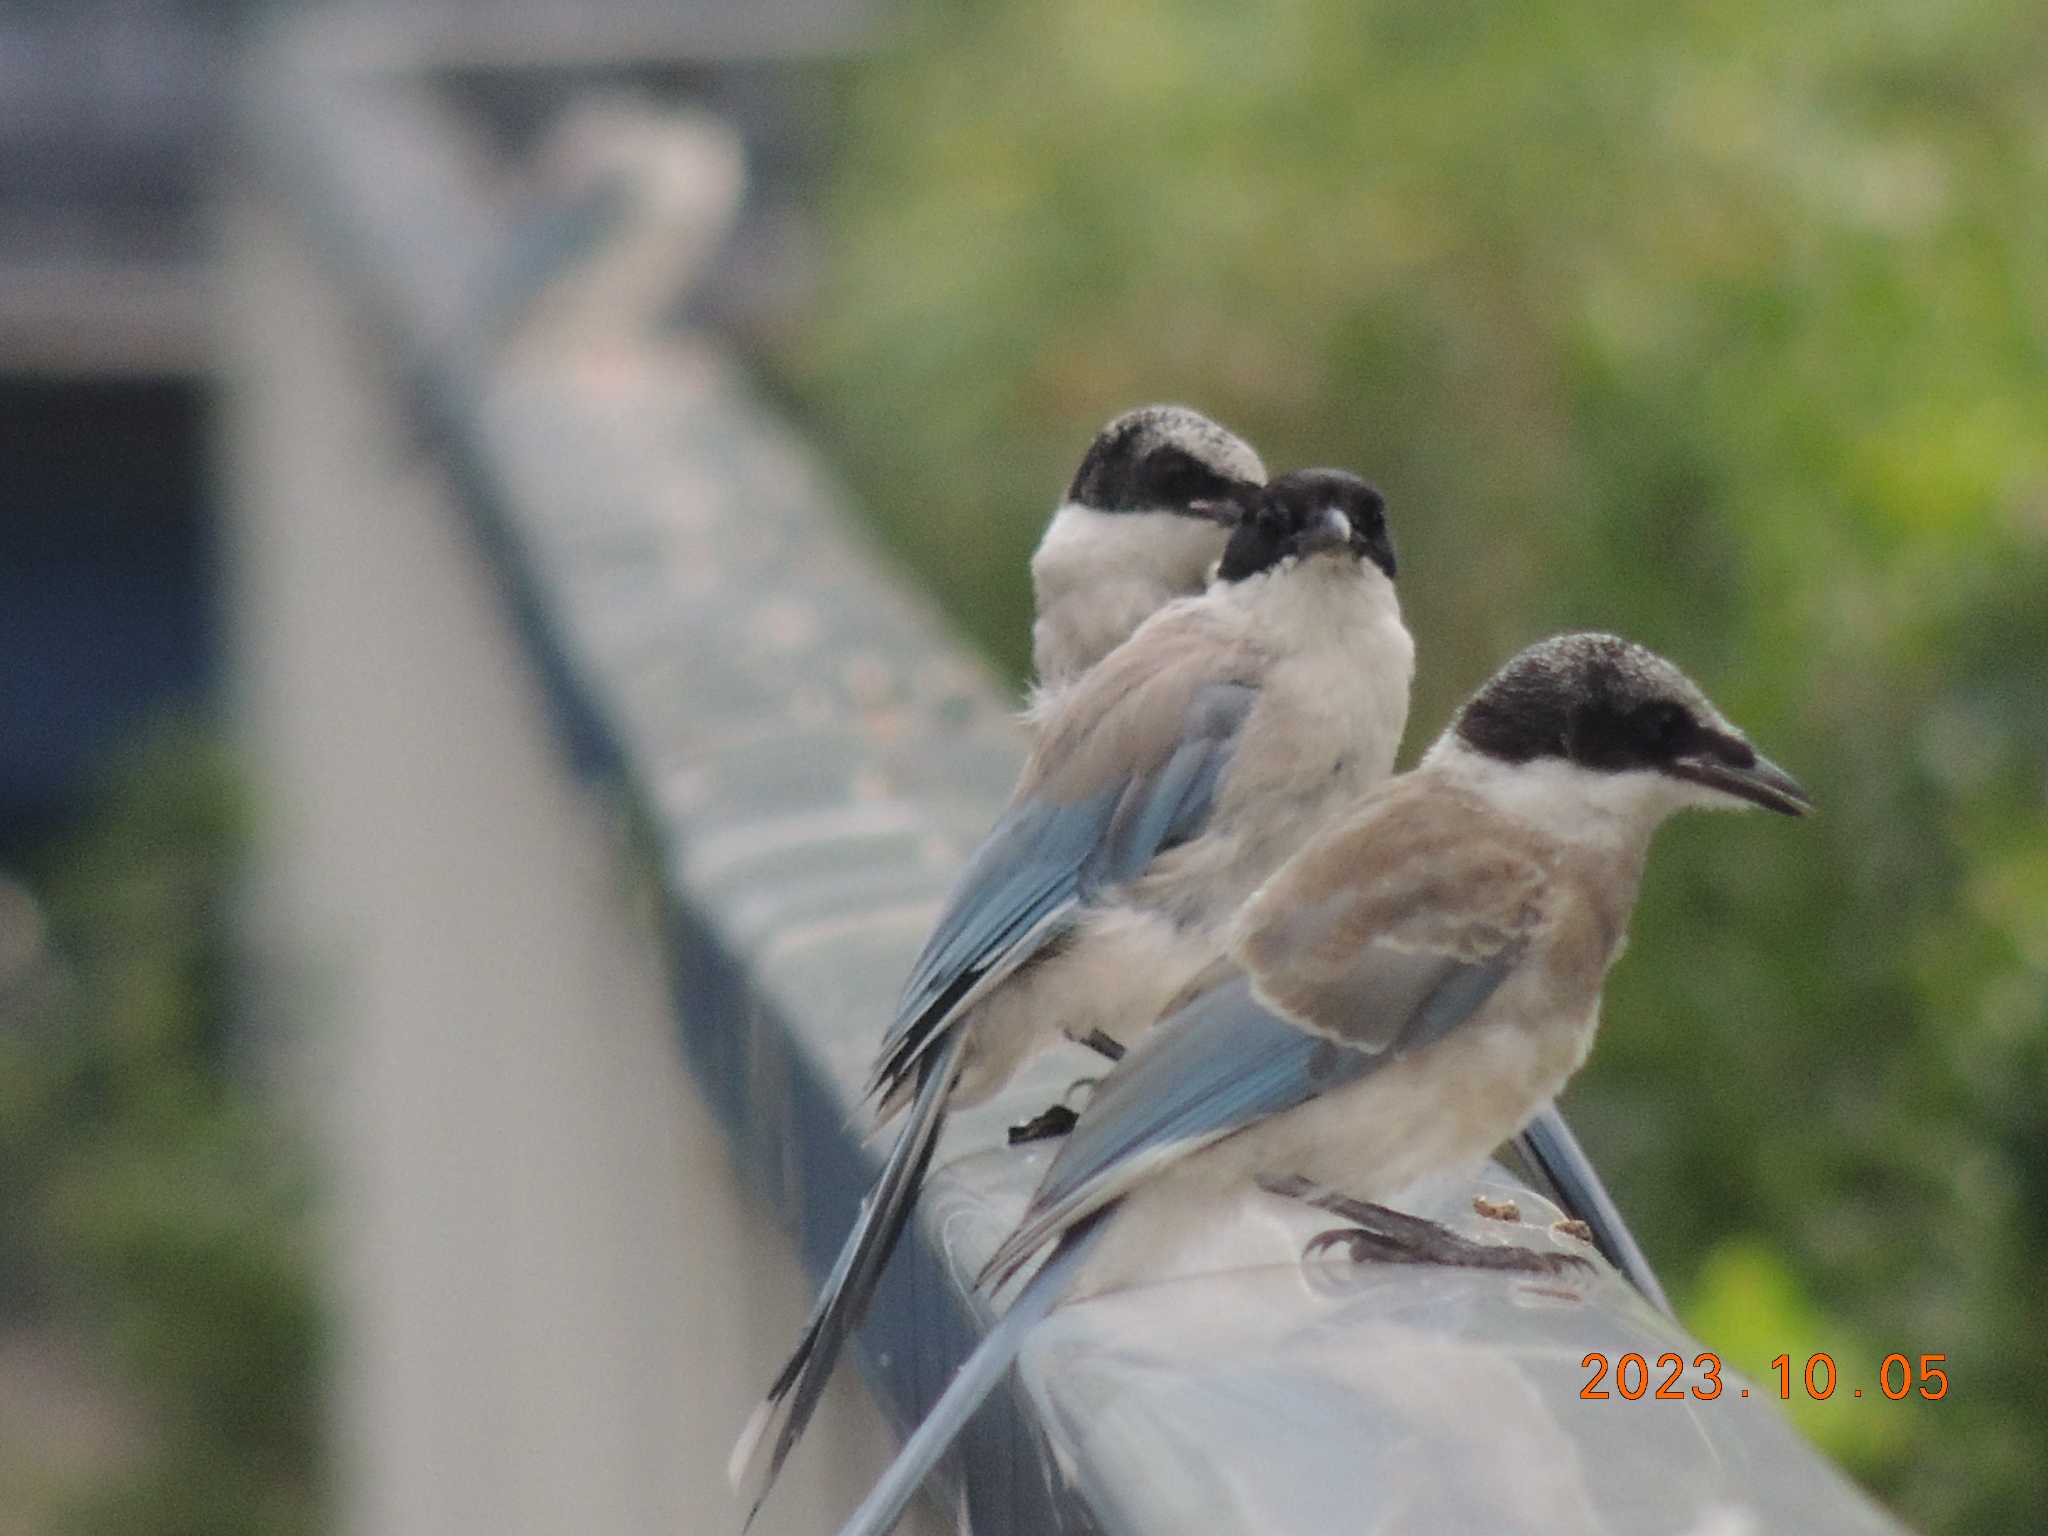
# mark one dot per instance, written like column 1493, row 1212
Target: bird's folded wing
column 1388, row 932
column 1304, row 1012
column 1128, row 771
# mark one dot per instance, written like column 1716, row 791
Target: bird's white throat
column 1571, row 803
column 1083, row 546
column 1303, row 602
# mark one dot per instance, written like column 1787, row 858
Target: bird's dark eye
column 1668, row 727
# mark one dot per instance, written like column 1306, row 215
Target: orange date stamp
column 1632, row 1378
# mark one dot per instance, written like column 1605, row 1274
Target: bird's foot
column 1381, row 1235
column 1056, row 1121
column 1361, row 1245
column 1102, row 1044
column 1059, row 1119
column 1370, row 1245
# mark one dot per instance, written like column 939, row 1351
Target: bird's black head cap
column 1609, row 705
column 1167, row 458
column 1309, row 512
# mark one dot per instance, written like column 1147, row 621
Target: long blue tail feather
column 969, row 1389
column 850, row 1287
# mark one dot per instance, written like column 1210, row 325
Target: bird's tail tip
column 740, row 1464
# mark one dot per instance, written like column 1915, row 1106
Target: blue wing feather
column 1045, row 857
column 1220, row 1064
column 1462, row 992
column 1162, row 810
column 1228, row 1062
column 1024, row 873
column 1224, row 1062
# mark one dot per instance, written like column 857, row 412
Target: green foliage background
column 154, row 1214
column 1724, row 326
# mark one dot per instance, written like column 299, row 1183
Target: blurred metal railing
column 808, row 754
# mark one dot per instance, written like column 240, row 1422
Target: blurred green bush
column 155, row 1241
column 1724, row 326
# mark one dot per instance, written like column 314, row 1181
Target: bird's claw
column 1102, row 1044
column 1044, row 1126
column 1532, row 1261
column 1364, row 1245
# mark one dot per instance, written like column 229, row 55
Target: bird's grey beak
column 1738, row 770
column 1332, row 531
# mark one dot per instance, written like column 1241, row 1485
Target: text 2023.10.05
column 1636, row 1378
